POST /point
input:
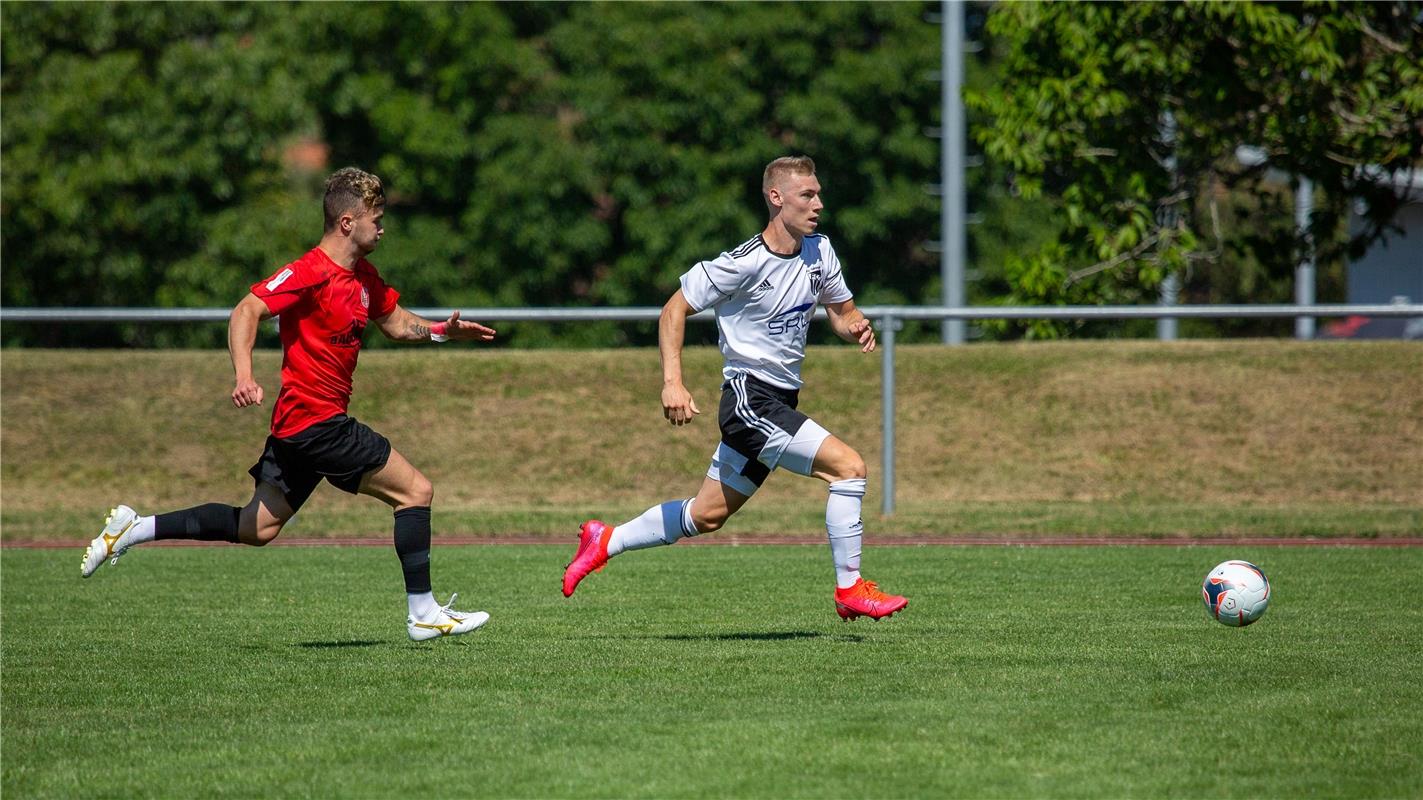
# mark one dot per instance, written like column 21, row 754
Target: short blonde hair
column 351, row 189
column 781, row 167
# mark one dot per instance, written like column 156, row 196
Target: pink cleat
column 592, row 554
column 865, row 599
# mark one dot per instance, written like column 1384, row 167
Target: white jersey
column 764, row 301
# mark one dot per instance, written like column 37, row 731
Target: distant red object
column 1372, row 328
column 1345, row 328
column 307, row 155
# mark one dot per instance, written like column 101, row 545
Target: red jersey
column 322, row 309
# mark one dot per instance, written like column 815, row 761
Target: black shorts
column 339, row 449
column 759, row 421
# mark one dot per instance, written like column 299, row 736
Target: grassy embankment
column 1119, row 438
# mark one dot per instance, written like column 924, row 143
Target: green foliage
column 587, row 154
column 1129, row 116
column 131, row 133
column 534, row 154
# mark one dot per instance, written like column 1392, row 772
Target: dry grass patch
column 1228, row 422
column 1025, row 430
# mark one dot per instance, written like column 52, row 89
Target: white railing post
column 1304, row 270
column 887, row 327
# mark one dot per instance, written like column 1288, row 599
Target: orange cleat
column 591, row 556
column 865, row 599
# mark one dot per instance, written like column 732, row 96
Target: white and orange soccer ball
column 1236, row 593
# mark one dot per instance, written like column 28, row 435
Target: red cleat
column 865, row 599
column 591, row 556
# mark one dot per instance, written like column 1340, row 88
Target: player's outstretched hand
column 677, row 404
column 459, row 329
column 247, row 393
column 862, row 331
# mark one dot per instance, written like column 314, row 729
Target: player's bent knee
column 260, row 535
column 708, row 523
column 423, row 492
column 851, row 467
column 266, row 532
column 256, row 526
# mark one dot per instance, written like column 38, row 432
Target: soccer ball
column 1236, row 593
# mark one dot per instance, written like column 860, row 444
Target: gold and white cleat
column 446, row 622
column 109, row 544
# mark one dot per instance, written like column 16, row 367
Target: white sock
column 846, row 531
column 142, row 531
column 660, row 525
column 422, row 605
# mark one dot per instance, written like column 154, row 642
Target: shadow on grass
column 763, row 636
column 348, row 643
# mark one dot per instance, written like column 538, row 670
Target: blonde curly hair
column 351, row 190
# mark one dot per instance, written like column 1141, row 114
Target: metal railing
column 888, row 319
column 651, row 313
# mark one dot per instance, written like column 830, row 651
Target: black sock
column 412, row 544
column 209, row 522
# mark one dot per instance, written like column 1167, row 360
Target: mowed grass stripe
column 711, row 672
column 805, row 518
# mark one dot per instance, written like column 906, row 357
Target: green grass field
column 720, row 671
column 712, row 671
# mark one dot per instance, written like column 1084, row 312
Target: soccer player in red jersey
column 324, row 301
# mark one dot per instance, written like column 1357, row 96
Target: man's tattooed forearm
column 419, row 330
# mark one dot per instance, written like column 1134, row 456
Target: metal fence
column 888, row 320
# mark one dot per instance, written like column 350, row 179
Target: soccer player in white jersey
column 764, row 293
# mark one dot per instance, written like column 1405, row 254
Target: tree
column 1127, row 118
column 119, row 159
column 534, row 154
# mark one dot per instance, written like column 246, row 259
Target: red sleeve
column 384, row 297
column 288, row 286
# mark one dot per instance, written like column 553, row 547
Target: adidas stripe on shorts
column 760, row 431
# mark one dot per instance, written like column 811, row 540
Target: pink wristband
column 437, row 332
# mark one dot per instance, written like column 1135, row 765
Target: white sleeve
column 708, row 283
column 834, row 290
